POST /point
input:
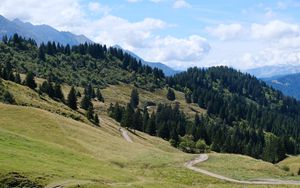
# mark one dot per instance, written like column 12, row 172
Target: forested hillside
column 247, row 116
column 244, row 115
column 77, row 65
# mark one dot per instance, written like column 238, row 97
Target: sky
column 179, row 33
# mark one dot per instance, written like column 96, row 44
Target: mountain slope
column 271, row 71
column 49, row 148
column 166, row 69
column 288, row 84
column 40, row 33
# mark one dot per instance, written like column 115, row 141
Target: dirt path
column 125, row 135
column 204, row 157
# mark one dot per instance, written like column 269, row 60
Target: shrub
column 285, row 168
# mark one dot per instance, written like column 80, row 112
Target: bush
column 8, row 98
column 285, row 168
column 201, row 146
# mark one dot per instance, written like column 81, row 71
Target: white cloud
column 181, row 4
column 274, row 30
column 99, row 8
column 177, row 52
column 226, row 32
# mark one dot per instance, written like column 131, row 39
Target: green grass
column 293, row 162
column 244, row 168
column 48, row 148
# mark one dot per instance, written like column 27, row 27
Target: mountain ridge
column 40, row 33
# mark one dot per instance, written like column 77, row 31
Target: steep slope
column 289, row 84
column 40, row 33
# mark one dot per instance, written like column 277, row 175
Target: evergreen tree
column 171, row 95
column 99, row 95
column 127, row 119
column 29, row 80
column 18, row 78
column 86, row 102
column 41, row 54
column 96, row 119
column 137, row 120
column 58, row 94
column 72, row 100
column 151, row 127
column 90, row 113
column 134, row 100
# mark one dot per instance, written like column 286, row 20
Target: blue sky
column 179, row 33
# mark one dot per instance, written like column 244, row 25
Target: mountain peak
column 40, row 33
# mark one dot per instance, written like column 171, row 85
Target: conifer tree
column 18, row 78
column 99, row 95
column 127, row 119
column 72, row 100
column 96, row 119
column 151, row 127
column 137, row 120
column 86, row 102
column 58, row 92
column 90, row 113
column 41, row 54
column 171, row 95
column 29, row 80
column 134, row 100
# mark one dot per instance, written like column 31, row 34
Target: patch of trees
column 232, row 98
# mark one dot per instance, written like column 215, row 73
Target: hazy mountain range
column 274, row 70
column 40, row 33
column 288, row 84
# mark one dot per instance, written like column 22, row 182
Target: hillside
column 288, row 84
column 48, row 148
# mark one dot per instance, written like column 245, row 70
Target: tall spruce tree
column 72, row 99
column 99, row 95
column 127, row 119
column 134, row 99
column 29, row 80
column 86, row 102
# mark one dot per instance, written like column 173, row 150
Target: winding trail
column 204, row 157
column 125, row 135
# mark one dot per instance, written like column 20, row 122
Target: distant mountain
column 289, row 84
column 40, row 33
column 273, row 70
column 166, row 69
